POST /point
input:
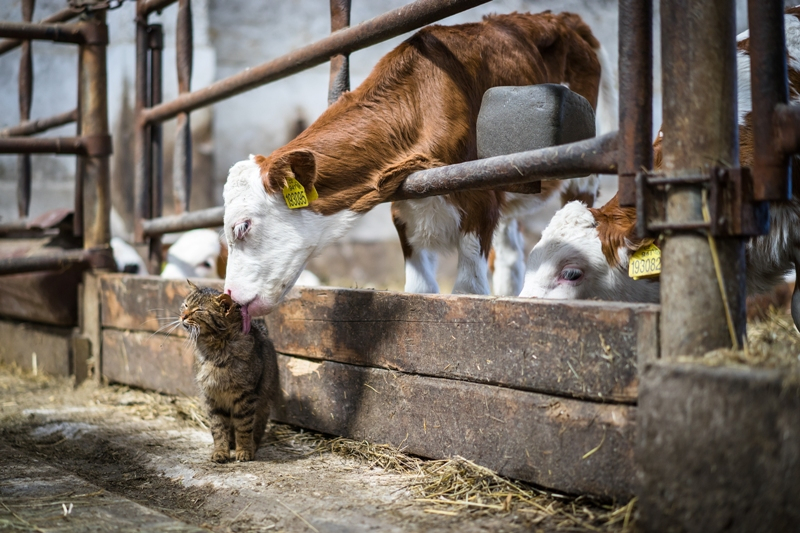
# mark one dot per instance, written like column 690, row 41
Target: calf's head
column 269, row 243
column 584, row 253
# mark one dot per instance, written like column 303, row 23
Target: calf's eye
column 241, row 229
column 571, row 274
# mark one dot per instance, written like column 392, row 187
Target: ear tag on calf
column 295, row 194
column 645, row 263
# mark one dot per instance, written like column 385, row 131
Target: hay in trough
column 772, row 343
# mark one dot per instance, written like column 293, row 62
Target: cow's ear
column 299, row 164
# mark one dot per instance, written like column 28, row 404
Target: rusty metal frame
column 92, row 144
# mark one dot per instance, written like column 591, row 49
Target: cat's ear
column 192, row 285
column 225, row 302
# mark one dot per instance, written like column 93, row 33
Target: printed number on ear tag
column 645, row 263
column 295, row 194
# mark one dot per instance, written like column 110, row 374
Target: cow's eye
column 571, row 274
column 241, row 229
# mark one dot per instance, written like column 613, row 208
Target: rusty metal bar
column 57, row 261
column 182, row 154
column 204, row 218
column 143, row 160
column 635, row 94
column 595, row 155
column 61, row 16
column 25, row 98
column 769, row 88
column 156, row 46
column 145, row 7
column 700, row 131
column 787, row 125
column 78, row 33
column 340, row 63
column 94, row 167
column 46, row 145
column 378, row 29
column 32, row 127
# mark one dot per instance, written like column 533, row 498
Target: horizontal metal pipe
column 32, row 127
column 56, row 261
column 206, row 218
column 63, row 33
column 59, row 16
column 596, row 155
column 150, row 6
column 378, row 29
column 47, row 145
column 592, row 156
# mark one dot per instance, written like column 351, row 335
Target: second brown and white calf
column 416, row 110
column 584, row 252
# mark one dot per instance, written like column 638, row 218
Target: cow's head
column 268, row 243
column 583, row 254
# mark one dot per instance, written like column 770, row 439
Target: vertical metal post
column 340, row 63
column 769, row 86
column 156, row 46
column 182, row 160
column 700, row 131
column 94, row 123
column 143, row 161
column 25, row 97
column 635, row 94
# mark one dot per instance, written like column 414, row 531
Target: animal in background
column 584, row 252
column 236, row 371
column 193, row 255
column 416, row 110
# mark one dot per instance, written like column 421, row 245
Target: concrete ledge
column 718, row 449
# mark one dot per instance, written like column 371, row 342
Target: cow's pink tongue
column 245, row 320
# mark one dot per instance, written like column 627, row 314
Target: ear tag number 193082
column 295, row 194
column 645, row 263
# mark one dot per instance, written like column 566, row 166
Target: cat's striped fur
column 235, row 371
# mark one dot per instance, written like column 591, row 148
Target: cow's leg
column 473, row 267
column 420, row 263
column 509, row 258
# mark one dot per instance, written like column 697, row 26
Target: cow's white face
column 568, row 262
column 268, row 243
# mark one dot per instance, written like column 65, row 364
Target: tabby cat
column 236, row 368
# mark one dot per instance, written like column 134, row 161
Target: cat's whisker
column 174, row 325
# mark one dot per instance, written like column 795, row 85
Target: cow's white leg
column 473, row 269
column 509, row 258
column 421, row 272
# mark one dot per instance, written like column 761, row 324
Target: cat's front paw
column 221, row 456
column 245, row 455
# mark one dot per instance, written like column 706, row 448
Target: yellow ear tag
column 295, row 194
column 645, row 263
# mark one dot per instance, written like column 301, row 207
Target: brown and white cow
column 416, row 110
column 584, row 252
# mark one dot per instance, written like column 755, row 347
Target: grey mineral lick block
column 517, row 119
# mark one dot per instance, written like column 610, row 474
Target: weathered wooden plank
column 149, row 361
column 581, row 349
column 49, row 346
column 568, row 445
column 45, row 297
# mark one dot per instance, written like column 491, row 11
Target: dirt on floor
column 100, row 458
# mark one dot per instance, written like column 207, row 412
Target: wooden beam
column 50, row 347
column 49, row 297
column 582, row 349
column 568, row 445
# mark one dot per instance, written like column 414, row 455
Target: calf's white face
column 268, row 243
column 568, row 263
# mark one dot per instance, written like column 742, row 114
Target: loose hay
column 451, row 487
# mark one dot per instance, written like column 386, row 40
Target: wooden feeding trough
column 543, row 392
